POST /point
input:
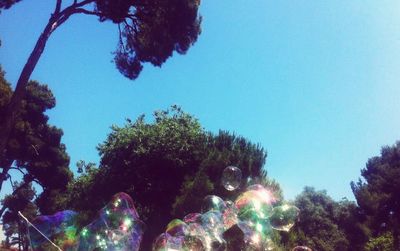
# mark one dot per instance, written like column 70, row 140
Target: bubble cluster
column 231, row 178
column 117, row 227
column 254, row 215
column 246, row 223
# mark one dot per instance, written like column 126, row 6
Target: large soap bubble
column 60, row 228
column 283, row 217
column 231, row 178
column 118, row 227
column 254, row 205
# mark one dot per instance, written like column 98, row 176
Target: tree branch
column 58, row 7
column 18, row 169
column 23, row 185
column 87, row 12
column 73, row 9
column 83, row 3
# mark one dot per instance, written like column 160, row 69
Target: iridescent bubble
column 192, row 217
column 231, row 178
column 213, row 203
column 192, row 243
column 213, row 227
column 177, row 228
column 118, row 227
column 229, row 215
column 161, row 243
column 283, row 217
column 60, row 227
column 254, row 205
column 267, row 195
column 179, row 241
column 301, row 248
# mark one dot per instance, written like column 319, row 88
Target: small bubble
column 231, row 178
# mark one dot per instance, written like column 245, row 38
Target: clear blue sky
column 314, row 82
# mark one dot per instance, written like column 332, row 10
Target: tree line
column 168, row 165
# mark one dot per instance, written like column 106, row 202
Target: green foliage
column 378, row 195
column 167, row 166
column 6, row 4
column 34, row 147
column 158, row 29
column 383, row 242
column 318, row 226
column 14, row 227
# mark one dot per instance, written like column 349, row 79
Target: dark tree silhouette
column 149, row 31
column 14, row 226
column 34, row 147
column 378, row 194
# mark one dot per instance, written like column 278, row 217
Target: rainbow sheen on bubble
column 117, row 227
column 284, row 217
column 251, row 219
column 59, row 227
column 247, row 223
column 213, row 203
column 231, row 178
column 176, row 227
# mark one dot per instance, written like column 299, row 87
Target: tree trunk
column 20, row 89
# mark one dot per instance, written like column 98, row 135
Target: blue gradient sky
column 314, row 82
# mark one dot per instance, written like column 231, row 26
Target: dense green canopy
column 167, row 166
column 378, row 194
column 34, row 147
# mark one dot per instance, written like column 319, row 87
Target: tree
column 382, row 242
column 149, row 31
column 34, row 148
column 161, row 165
column 378, row 194
column 15, row 228
column 318, row 226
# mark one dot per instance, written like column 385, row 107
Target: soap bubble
column 180, row 236
column 213, row 203
column 60, row 228
column 161, row 243
column 177, row 228
column 118, row 227
column 211, row 222
column 254, row 205
column 192, row 243
column 229, row 215
column 283, row 217
column 192, row 217
column 231, row 178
